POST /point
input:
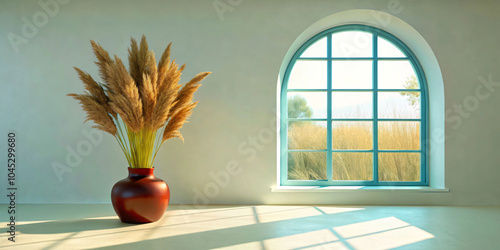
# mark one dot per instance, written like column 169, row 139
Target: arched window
column 354, row 111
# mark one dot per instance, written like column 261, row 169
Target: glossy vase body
column 141, row 197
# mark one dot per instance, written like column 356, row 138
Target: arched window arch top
column 354, row 111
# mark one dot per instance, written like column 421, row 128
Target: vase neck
column 140, row 171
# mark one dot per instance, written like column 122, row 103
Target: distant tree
column 297, row 108
column 412, row 97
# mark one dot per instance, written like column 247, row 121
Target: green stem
column 140, row 147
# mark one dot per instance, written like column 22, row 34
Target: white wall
column 238, row 101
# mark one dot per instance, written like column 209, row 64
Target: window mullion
column 375, row 109
column 329, row 164
column 375, row 119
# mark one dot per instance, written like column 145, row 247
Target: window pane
column 352, row 166
column 317, row 49
column 306, row 135
column 352, row 44
column 342, row 95
column 307, row 104
column 352, row 135
column 308, row 75
column 396, row 75
column 352, row 104
column 387, row 49
column 399, row 105
column 399, row 135
column 399, row 166
column 307, row 166
column 352, row 74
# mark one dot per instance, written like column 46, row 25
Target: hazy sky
column 353, row 74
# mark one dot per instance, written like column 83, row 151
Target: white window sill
column 403, row 189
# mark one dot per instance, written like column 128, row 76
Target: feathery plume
column 138, row 59
column 124, row 95
column 134, row 63
column 96, row 112
column 95, row 90
column 163, row 65
column 151, row 70
column 177, row 121
column 103, row 60
column 164, row 103
column 147, row 98
column 185, row 95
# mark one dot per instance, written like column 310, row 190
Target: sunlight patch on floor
column 390, row 239
column 369, row 227
column 335, row 210
column 384, row 233
column 285, row 214
column 262, row 227
column 308, row 239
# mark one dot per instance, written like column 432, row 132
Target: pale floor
column 257, row 227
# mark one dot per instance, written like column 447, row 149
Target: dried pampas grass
column 133, row 105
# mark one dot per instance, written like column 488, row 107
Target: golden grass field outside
column 354, row 136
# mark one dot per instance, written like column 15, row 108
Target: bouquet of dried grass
column 142, row 107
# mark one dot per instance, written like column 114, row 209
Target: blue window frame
column 354, row 111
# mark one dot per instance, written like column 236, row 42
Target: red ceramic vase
column 141, row 197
